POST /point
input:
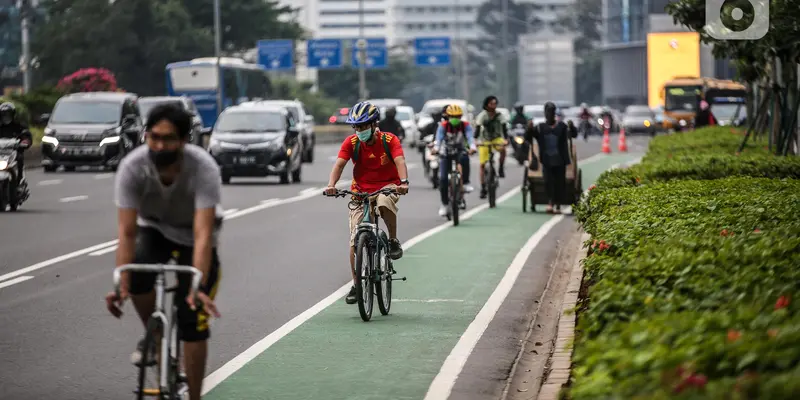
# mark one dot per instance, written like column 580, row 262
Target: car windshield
column 726, row 112
column 86, row 112
column 247, row 122
column 145, row 105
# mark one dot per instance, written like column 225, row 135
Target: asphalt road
column 283, row 250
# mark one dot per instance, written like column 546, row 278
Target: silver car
column 303, row 118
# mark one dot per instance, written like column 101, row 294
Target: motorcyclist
column 390, row 124
column 519, row 116
column 586, row 118
column 11, row 128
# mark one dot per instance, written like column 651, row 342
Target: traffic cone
column 606, row 142
column 623, row 145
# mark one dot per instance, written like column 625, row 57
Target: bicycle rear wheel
column 383, row 288
column 364, row 288
column 455, row 196
column 491, row 184
column 149, row 374
column 524, row 189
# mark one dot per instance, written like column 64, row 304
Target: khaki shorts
column 388, row 202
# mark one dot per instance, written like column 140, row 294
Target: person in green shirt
column 491, row 127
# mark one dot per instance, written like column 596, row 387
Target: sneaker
column 443, row 210
column 468, row 188
column 501, row 172
column 351, row 296
column 463, row 204
column 137, row 355
column 395, row 249
column 484, row 192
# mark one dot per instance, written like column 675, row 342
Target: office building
column 546, row 68
column 10, row 42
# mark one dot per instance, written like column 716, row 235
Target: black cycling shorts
column 153, row 248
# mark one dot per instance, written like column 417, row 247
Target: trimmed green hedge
column 690, row 282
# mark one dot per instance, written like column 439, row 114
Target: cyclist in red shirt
column 378, row 162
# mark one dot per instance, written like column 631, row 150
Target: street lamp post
column 504, row 87
column 25, row 8
column 218, row 53
column 361, row 46
column 462, row 73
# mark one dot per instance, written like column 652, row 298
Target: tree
column 586, row 20
column 244, row 22
column 342, row 84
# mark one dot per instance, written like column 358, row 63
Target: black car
column 196, row 137
column 257, row 141
column 90, row 129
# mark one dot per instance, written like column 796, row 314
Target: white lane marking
column 103, row 176
column 15, row 281
column 50, row 182
column 103, row 251
column 309, row 190
column 72, row 199
column 443, row 383
column 230, row 211
column 428, row 301
column 56, row 260
column 218, row 376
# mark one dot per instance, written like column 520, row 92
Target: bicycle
column 371, row 250
column 454, row 178
column 169, row 383
column 490, row 175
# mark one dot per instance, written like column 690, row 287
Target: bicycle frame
column 367, row 224
column 168, row 341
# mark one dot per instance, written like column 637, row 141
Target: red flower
column 757, row 230
column 733, row 335
column 592, row 187
column 772, row 332
column 724, row 232
column 782, row 302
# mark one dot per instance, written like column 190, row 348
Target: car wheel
column 226, row 178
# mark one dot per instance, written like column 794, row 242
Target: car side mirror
column 44, row 119
column 292, row 132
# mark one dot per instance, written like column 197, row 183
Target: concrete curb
column 561, row 359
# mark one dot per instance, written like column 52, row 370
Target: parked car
column 639, row 119
column 198, row 131
column 91, row 129
column 257, row 141
column 304, row 120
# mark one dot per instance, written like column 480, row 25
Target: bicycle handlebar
column 342, row 193
column 159, row 268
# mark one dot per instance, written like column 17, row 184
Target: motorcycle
column 11, row 194
column 431, row 162
column 517, row 136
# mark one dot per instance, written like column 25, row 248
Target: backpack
column 357, row 147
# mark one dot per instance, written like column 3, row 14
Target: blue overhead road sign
column 432, row 51
column 276, row 54
column 376, row 56
column 324, row 53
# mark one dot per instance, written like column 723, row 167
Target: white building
column 546, row 68
column 419, row 18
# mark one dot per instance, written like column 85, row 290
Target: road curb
column 561, row 359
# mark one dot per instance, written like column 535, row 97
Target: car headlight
column 600, row 121
column 109, row 140
column 3, row 165
column 646, row 123
column 50, row 140
column 518, row 139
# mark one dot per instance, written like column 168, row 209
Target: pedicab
column 533, row 188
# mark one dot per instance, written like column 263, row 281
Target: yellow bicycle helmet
column 453, row 110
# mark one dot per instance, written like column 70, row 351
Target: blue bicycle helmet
column 362, row 113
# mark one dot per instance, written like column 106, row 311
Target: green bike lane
column 451, row 274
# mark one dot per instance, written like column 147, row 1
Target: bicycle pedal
column 399, row 279
column 149, row 392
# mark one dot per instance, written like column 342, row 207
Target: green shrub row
column 691, row 277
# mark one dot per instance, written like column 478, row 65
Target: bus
column 682, row 96
column 199, row 80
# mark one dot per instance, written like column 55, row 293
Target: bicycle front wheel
column 383, row 288
column 364, row 268
column 491, row 184
column 524, row 189
column 149, row 373
column 455, row 196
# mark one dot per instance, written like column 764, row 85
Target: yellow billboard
column 670, row 55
